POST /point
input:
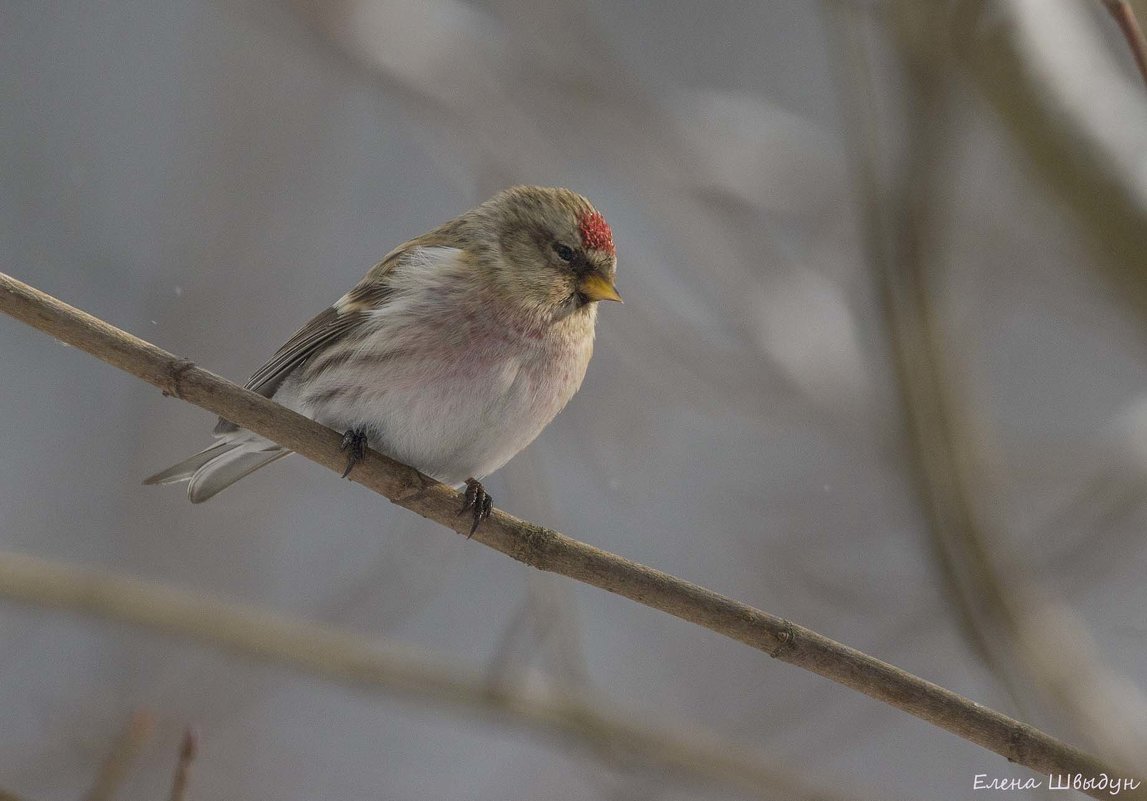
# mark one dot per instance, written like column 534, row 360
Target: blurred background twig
column 187, row 752
column 603, row 728
column 1074, row 115
column 1028, row 639
column 1128, row 23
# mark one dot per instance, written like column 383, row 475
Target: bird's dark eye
column 565, row 252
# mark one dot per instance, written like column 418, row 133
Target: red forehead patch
column 595, row 232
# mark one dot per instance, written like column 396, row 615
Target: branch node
column 786, row 639
column 1016, row 750
column 414, row 487
column 175, row 378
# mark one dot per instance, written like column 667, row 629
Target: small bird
column 450, row 355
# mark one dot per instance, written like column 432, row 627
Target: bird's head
column 550, row 249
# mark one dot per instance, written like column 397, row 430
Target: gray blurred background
column 877, row 371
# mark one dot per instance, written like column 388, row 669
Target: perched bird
column 450, row 355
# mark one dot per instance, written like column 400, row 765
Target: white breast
column 441, row 385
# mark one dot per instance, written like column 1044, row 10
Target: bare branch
column 549, row 550
column 351, row 660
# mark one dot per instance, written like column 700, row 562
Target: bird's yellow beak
column 594, row 286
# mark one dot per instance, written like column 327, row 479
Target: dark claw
column 354, row 442
column 478, row 500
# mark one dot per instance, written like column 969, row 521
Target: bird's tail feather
column 186, row 469
column 215, row 469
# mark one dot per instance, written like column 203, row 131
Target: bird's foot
column 479, row 501
column 354, row 443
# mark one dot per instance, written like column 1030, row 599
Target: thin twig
column 1129, row 25
column 187, row 751
column 115, row 768
column 349, row 659
column 549, row 550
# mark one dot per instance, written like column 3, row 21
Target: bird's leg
column 478, row 500
column 354, row 443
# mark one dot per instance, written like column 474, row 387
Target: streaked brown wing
column 331, row 324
